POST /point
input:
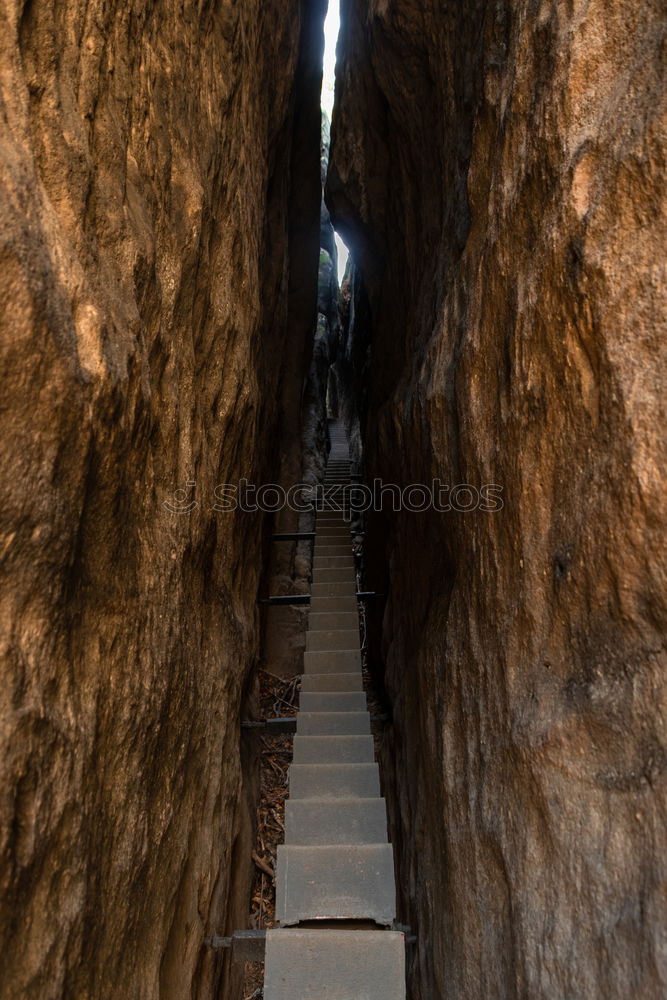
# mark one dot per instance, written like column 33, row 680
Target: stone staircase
column 335, row 887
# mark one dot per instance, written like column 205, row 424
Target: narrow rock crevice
column 173, row 326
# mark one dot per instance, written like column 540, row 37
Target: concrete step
column 335, row 821
column 335, row 883
column 334, row 781
column 327, row 604
column 342, row 564
column 344, row 588
column 332, row 701
column 338, row 574
column 332, row 661
column 341, row 638
column 305, row 964
column 332, row 682
column 333, row 749
column 333, row 723
column 333, row 620
column 344, row 560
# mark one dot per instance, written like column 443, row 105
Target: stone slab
column 343, row 561
column 332, row 661
column 334, row 781
column 321, row 604
column 333, row 749
column 333, row 723
column 335, row 575
column 332, row 701
column 310, row 822
column 346, row 588
column 351, row 681
column 306, row 964
column 342, row 882
column 321, row 640
column 333, row 620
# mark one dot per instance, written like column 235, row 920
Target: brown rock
column 499, row 169
column 147, row 158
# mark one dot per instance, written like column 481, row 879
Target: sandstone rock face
column 152, row 157
column 499, row 169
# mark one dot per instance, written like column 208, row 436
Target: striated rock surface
column 499, row 170
column 151, row 158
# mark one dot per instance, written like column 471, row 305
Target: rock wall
column 498, row 168
column 150, row 158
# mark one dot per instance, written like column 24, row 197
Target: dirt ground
column 279, row 698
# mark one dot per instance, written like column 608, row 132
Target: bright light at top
column 343, row 254
column 331, row 26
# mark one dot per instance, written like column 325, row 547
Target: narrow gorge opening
column 331, row 34
column 187, row 355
